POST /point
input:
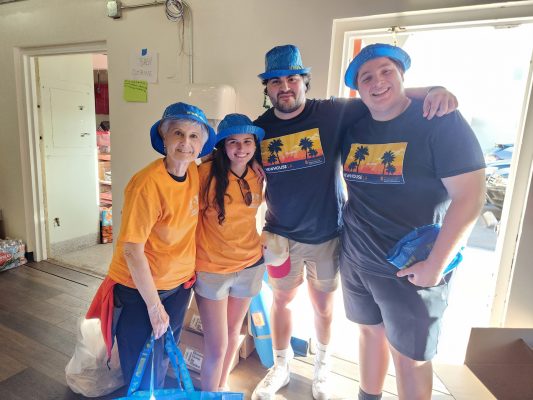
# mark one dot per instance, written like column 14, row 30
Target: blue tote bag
column 185, row 389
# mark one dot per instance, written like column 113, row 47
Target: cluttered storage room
column 197, row 197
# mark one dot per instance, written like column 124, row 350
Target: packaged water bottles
column 11, row 254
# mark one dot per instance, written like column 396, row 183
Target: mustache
column 286, row 92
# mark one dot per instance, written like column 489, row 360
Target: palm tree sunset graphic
column 306, row 145
column 360, row 154
column 387, row 159
column 274, row 147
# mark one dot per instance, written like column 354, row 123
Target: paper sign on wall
column 143, row 65
column 135, row 91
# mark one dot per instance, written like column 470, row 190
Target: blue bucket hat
column 183, row 111
column 283, row 61
column 235, row 124
column 374, row 51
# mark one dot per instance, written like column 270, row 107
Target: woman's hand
column 144, row 283
column 159, row 319
column 439, row 102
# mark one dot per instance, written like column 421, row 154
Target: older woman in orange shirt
column 229, row 261
column 155, row 253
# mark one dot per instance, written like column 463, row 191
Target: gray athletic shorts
column 411, row 314
column 321, row 262
column 245, row 283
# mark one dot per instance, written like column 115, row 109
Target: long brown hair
column 220, row 169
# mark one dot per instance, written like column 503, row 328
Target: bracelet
column 434, row 87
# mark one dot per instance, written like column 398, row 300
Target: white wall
column 230, row 39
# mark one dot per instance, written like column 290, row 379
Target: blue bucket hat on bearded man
column 183, row 111
column 283, row 61
column 235, row 124
column 375, row 51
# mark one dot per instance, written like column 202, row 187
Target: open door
column 68, row 151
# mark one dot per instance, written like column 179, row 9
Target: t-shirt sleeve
column 140, row 212
column 455, row 147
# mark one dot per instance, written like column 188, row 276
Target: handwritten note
column 143, row 65
column 135, row 91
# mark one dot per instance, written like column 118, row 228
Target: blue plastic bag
column 259, row 323
column 185, row 389
column 416, row 246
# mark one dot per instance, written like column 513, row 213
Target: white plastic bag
column 87, row 372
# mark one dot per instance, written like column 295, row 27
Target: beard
column 290, row 106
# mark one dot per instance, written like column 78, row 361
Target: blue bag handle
column 176, row 360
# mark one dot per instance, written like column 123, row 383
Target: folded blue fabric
column 416, row 246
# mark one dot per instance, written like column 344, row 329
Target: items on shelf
column 106, row 225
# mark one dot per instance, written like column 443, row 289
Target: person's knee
column 216, row 348
column 403, row 362
column 282, row 298
column 372, row 332
column 406, row 363
column 324, row 310
column 233, row 333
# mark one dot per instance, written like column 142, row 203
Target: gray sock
column 365, row 396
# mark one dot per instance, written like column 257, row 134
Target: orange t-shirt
column 235, row 244
column 163, row 214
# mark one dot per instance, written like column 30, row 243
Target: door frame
column 28, row 118
column 502, row 14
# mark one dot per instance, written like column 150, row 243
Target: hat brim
column 157, row 142
column 276, row 73
column 258, row 132
column 393, row 52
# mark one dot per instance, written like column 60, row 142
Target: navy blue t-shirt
column 393, row 172
column 301, row 157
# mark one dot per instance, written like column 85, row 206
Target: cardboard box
column 247, row 347
column 192, row 346
column 192, row 321
column 498, row 365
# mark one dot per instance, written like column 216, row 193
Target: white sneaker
column 277, row 377
column 320, row 387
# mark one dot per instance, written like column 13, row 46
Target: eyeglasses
column 245, row 191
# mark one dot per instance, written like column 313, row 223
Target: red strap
column 190, row 282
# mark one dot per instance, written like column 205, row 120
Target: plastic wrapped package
column 11, row 254
column 88, row 371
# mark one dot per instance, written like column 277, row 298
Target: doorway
column 479, row 62
column 71, row 136
column 83, row 249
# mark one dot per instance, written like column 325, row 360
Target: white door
column 68, row 149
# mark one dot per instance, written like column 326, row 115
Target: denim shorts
column 320, row 261
column 245, row 283
column 411, row 314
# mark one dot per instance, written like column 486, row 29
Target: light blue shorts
column 242, row 284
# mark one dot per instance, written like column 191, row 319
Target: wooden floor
column 40, row 304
